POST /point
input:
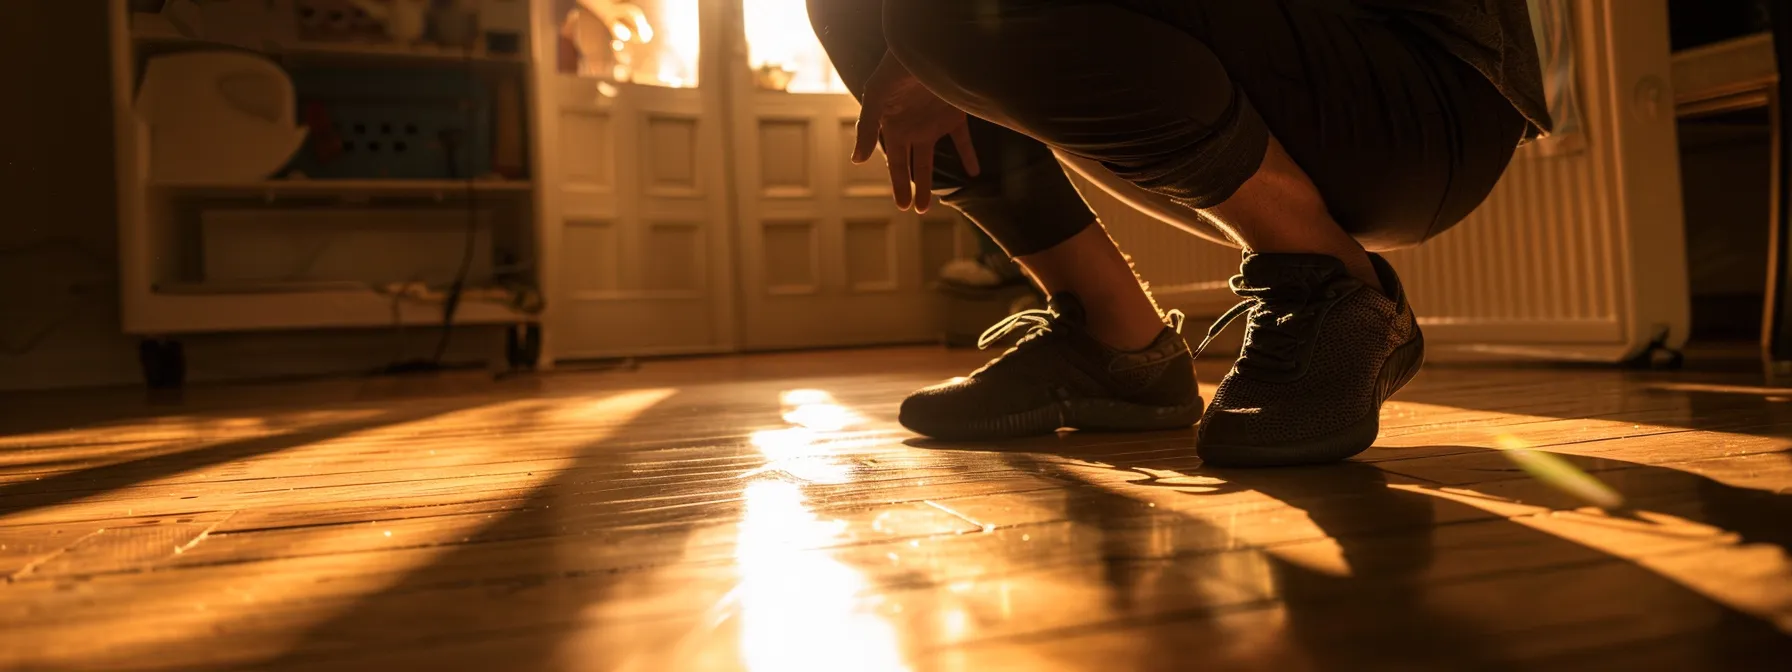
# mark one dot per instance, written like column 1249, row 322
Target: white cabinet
column 411, row 186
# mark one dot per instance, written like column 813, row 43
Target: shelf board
column 322, row 187
column 153, row 29
column 392, row 51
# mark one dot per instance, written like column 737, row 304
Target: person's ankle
column 1356, row 263
column 1124, row 332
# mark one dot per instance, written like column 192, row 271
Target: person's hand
column 911, row 121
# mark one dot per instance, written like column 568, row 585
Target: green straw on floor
column 1558, row 473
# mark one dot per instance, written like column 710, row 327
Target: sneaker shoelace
column 1038, row 321
column 1279, row 323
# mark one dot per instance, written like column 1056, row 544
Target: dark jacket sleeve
column 852, row 32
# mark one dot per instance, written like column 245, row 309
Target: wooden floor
column 765, row 513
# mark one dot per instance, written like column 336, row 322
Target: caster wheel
column 164, row 363
column 1663, row 359
column 1658, row 359
column 522, row 346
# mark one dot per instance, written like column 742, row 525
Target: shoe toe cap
column 1229, row 427
column 947, row 408
column 932, row 408
column 1247, row 438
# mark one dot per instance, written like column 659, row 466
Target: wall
column 57, row 243
column 58, row 298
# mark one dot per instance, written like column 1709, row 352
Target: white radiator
column 1578, row 254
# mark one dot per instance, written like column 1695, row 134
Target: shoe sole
column 1398, row 370
column 1091, row 415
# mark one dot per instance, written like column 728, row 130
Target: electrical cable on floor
column 451, row 303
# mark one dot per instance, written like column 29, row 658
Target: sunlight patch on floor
column 111, row 443
column 206, row 604
column 800, row 609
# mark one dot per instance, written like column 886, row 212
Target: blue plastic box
column 414, row 124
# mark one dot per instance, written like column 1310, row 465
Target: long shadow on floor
column 565, row 580
column 68, row 486
column 1432, row 583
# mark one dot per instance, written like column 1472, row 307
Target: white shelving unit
column 154, row 29
column 357, row 51
column 161, row 300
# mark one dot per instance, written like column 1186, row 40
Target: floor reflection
column 1242, row 574
column 801, row 610
column 1353, row 565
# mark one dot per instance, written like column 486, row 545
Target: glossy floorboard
column 765, row 513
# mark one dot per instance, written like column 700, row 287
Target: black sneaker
column 1322, row 352
column 1057, row 376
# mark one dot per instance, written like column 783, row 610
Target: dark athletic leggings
column 1401, row 138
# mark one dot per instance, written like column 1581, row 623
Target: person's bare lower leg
column 1279, row 210
column 1091, row 266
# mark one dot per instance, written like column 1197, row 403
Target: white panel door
column 825, row 257
column 634, row 194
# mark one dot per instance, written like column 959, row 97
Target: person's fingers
column 923, row 176
column 896, row 155
column 870, row 122
column 967, row 155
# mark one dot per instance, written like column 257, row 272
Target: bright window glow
column 782, row 50
column 651, row 42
